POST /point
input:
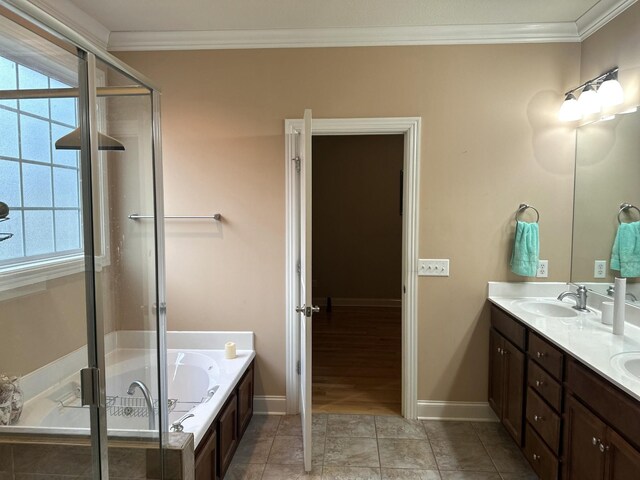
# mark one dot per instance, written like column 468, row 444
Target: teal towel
column 526, row 249
column 625, row 254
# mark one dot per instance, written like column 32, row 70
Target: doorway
column 357, row 273
column 409, row 128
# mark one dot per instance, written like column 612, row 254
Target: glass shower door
column 81, row 293
column 43, row 277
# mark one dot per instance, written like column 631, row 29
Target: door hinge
column 90, row 386
column 299, row 268
column 297, row 160
column 298, row 367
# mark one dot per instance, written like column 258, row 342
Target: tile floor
column 366, row 447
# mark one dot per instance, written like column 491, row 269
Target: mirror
column 607, row 175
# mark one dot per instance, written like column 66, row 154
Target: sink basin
column 628, row 363
column 548, row 308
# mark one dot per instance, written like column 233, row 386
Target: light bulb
column 570, row 110
column 610, row 92
column 589, row 101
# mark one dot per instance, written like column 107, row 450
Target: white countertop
column 584, row 336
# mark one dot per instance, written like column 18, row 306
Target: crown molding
column 599, row 15
column 67, row 13
column 345, row 37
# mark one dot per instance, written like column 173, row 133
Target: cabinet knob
column 536, row 457
column 595, row 441
column 538, row 418
column 539, row 383
column 603, row 448
column 540, row 354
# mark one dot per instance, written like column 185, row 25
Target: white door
column 305, row 308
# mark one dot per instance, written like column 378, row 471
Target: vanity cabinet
column 216, row 449
column 506, row 375
column 597, row 416
column 573, row 423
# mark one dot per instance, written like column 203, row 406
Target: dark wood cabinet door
column 496, row 343
column 513, row 395
column 623, row 461
column 227, row 433
column 206, row 458
column 584, row 433
column 245, row 400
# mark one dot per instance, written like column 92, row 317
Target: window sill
column 19, row 280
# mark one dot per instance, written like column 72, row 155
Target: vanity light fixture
column 601, row 91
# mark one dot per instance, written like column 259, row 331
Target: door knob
column 308, row 311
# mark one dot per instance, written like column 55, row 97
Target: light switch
column 433, row 267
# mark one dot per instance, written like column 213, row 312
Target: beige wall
column 357, row 225
column 490, row 141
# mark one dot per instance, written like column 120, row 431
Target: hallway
column 357, row 360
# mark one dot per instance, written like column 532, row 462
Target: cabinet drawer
column 544, row 420
column 511, row 329
column 543, row 461
column 545, row 385
column 546, row 355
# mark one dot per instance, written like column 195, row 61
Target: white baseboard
column 469, row 411
column 358, row 302
column 270, row 404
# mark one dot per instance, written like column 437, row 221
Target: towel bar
column 216, row 216
column 624, row 207
column 523, row 207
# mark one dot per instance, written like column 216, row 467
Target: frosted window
column 12, row 248
column 34, row 139
column 38, row 232
column 65, row 187
column 8, row 80
column 36, row 181
column 63, row 110
column 9, row 134
column 62, row 157
column 9, row 184
column 40, row 184
column 28, row 80
column 67, row 230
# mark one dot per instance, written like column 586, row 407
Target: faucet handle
column 582, row 289
column 177, row 425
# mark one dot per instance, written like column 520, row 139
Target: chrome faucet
column 177, row 425
column 611, row 290
column 148, row 398
column 580, row 297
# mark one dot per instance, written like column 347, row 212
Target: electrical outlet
column 600, row 269
column 543, row 269
column 433, row 267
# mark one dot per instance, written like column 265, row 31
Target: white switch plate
column 543, row 269
column 433, row 267
column 600, row 269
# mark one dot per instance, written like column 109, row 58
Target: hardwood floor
column 357, row 360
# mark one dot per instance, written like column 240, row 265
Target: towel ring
column 523, row 207
column 624, row 207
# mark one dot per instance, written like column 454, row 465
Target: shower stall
column 82, row 314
